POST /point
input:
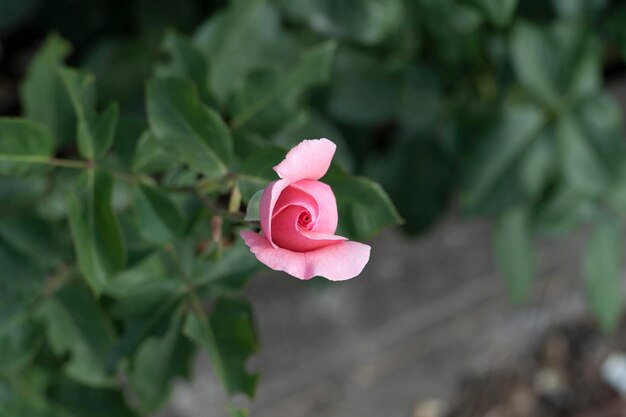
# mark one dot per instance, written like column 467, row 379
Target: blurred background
column 496, row 127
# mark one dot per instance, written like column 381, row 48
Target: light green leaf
column 228, row 335
column 252, row 211
column 159, row 219
column 603, row 273
column 76, row 325
column 24, row 146
column 514, row 253
column 181, row 124
column 42, row 93
column 96, row 233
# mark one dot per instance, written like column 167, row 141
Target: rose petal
column 309, row 160
column 341, row 261
column 288, row 235
column 327, row 205
column 294, row 196
column 266, row 206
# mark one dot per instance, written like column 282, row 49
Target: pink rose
column 299, row 217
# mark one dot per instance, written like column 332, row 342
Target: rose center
column 304, row 220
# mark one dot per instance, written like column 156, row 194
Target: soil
column 560, row 377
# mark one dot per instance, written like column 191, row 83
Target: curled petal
column 307, row 161
column 266, row 207
column 288, row 234
column 337, row 262
column 327, row 205
column 295, row 197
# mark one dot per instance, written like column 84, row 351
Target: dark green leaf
column 256, row 172
column 313, row 68
column 76, row 324
column 81, row 400
column 157, row 362
column 228, row 335
column 96, row 233
column 603, row 273
column 19, row 342
column 499, row 12
column 364, row 207
column 514, row 253
column 366, row 21
column 160, row 220
column 43, row 95
column 186, row 60
column 150, row 157
column 181, row 124
column 582, row 168
column 24, row 146
column 245, row 36
column 96, row 131
column 492, row 170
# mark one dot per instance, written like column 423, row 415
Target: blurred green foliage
column 119, row 209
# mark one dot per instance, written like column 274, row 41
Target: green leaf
column 533, row 61
column 561, row 211
column 245, row 36
column 582, row 167
column 159, row 219
column 96, row 232
column 514, row 253
column 499, row 12
column 42, row 93
column 181, row 124
column 603, row 273
column 229, row 272
column 313, row 68
column 157, row 362
column 252, row 211
column 19, row 342
column 578, row 9
column 421, row 163
column 186, row 60
column 257, row 171
column 150, row 157
column 228, row 335
column 491, row 171
column 81, row 400
column 24, row 146
column 365, row 90
column 558, row 65
column 76, row 324
column 366, row 21
column 364, row 207
column 95, row 131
